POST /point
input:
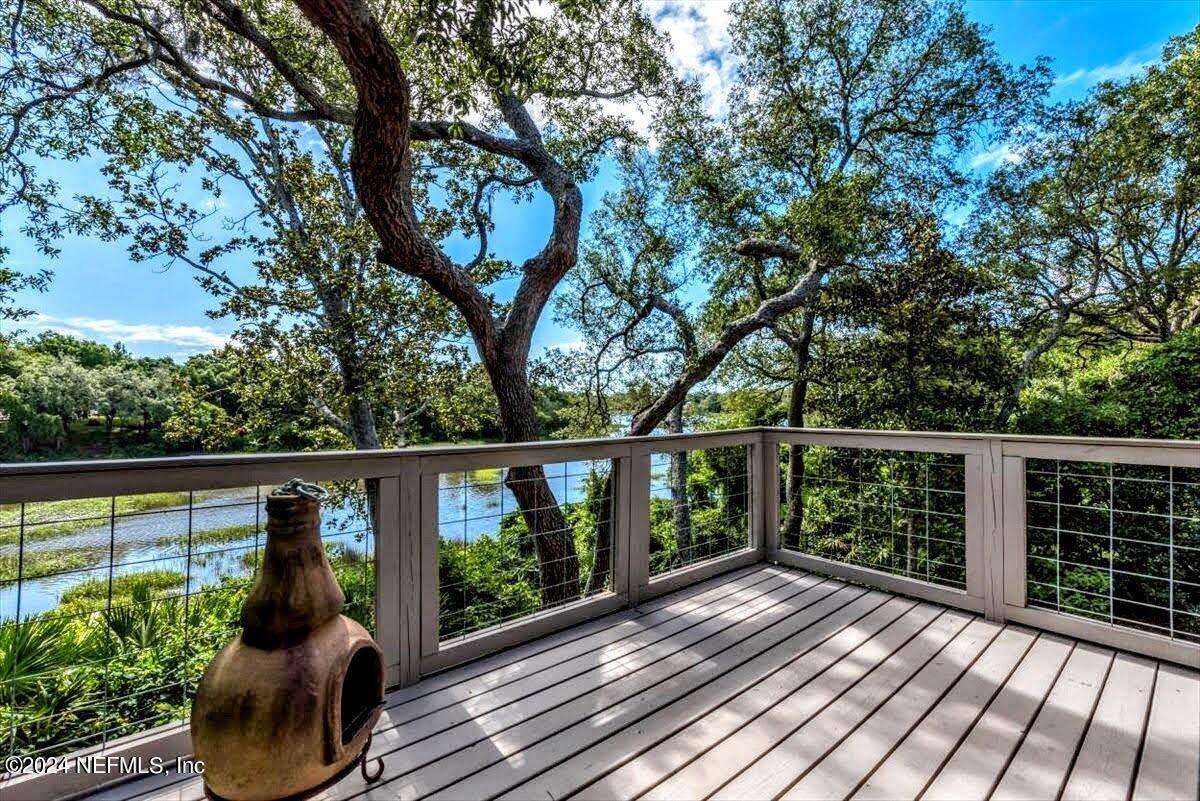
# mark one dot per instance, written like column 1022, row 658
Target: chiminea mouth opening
column 362, row 687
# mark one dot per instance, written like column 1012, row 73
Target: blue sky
column 99, row 293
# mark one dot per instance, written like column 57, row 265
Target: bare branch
column 646, row 420
column 330, row 416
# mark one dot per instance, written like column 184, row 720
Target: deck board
column 733, row 634
column 772, row 683
column 905, row 773
column 712, row 767
column 1170, row 765
column 434, row 763
column 642, row 755
column 585, row 671
column 770, row 775
column 1044, row 759
column 1108, row 755
column 975, row 767
column 851, row 761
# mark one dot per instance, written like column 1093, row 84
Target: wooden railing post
column 985, row 528
column 397, row 575
column 764, row 494
column 388, row 539
column 409, row 611
column 638, row 551
column 428, row 546
column 620, row 505
column 1013, row 469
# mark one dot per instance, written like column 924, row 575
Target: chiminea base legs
column 361, row 763
column 368, row 777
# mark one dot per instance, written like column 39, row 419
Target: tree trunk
column 554, row 539
column 798, row 397
column 362, row 424
column 366, row 438
column 679, row 492
column 1029, row 358
column 602, row 555
column 382, row 167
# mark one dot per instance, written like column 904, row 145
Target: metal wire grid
column 489, row 572
column 1116, row 543
column 116, row 658
column 902, row 512
column 714, row 501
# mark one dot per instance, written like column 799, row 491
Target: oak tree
column 492, row 98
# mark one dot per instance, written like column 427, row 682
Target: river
column 470, row 505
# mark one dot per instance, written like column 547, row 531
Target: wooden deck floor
column 771, row 683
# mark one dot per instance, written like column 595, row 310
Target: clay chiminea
column 288, row 707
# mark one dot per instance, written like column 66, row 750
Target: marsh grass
column 211, row 536
column 38, row 564
column 48, row 519
column 92, row 595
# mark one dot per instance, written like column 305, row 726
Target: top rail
column 48, row 481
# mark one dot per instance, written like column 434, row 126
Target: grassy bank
column 211, row 536
column 45, row 520
column 93, row 594
column 38, row 564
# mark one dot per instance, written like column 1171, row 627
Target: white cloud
column 185, row 337
column 994, row 157
column 1128, row 67
column 700, row 43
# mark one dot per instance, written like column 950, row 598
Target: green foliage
column 38, row 563
column 211, row 536
column 85, row 353
column 494, row 578
column 27, row 430
column 902, row 513
column 737, row 408
column 51, row 385
column 917, row 343
column 32, row 651
column 717, row 505
column 1151, row 392
column 94, row 594
column 11, row 282
column 1092, row 223
column 58, row 386
column 487, row 580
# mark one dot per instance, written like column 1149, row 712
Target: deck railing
column 120, row 579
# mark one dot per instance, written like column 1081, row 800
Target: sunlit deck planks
column 772, row 683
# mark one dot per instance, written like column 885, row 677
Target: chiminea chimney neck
column 296, row 590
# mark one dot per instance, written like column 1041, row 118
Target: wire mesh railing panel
column 699, row 506
column 1116, row 543
column 902, row 512
column 515, row 541
column 110, row 608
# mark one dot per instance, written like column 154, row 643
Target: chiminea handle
column 298, row 486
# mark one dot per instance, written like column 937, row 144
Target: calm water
column 471, row 505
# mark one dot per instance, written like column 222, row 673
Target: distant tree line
column 65, row 397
